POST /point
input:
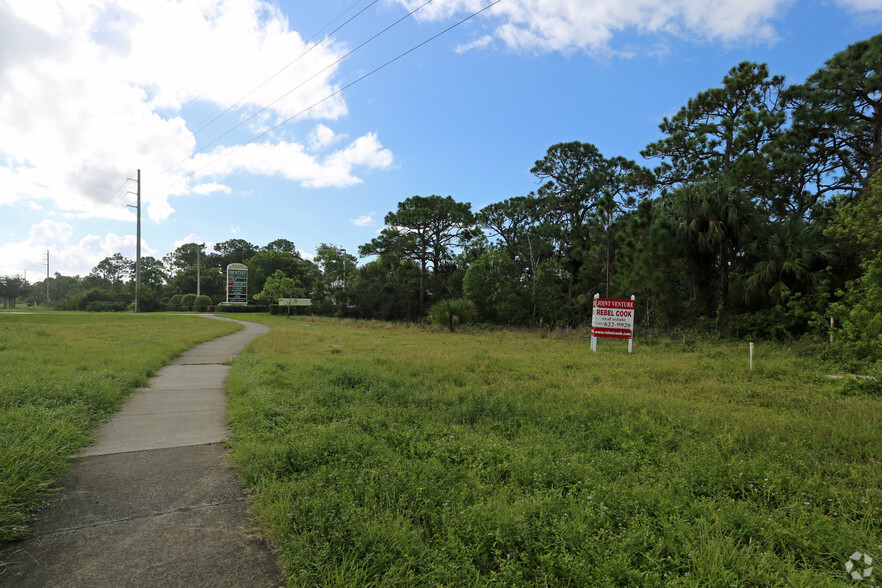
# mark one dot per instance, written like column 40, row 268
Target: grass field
column 384, row 455
column 61, row 375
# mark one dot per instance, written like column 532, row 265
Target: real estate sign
column 295, row 302
column 237, row 284
column 612, row 318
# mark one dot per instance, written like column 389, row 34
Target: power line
column 298, row 86
column 333, row 94
column 104, row 221
column 100, row 220
column 220, row 112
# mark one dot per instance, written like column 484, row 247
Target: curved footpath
column 153, row 502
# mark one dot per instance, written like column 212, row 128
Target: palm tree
column 713, row 218
column 785, row 253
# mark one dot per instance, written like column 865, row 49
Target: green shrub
column 106, row 306
column 187, row 301
column 98, row 295
column 498, row 297
column 450, row 313
column 201, row 303
column 148, row 300
column 282, row 310
column 859, row 335
column 783, row 322
column 224, row 307
column 862, row 386
column 174, row 302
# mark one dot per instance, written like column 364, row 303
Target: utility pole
column 47, row 275
column 138, row 243
column 198, row 272
column 343, row 252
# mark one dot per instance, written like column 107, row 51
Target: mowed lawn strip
column 384, row 455
column 63, row 374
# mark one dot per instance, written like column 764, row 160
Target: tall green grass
column 63, row 374
column 384, row 455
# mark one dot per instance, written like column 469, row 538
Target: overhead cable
column 333, row 94
column 220, row 112
column 298, row 86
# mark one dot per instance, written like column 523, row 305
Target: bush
column 224, row 307
column 498, row 296
column 174, row 302
column 148, row 300
column 282, row 310
column 201, row 303
column 862, row 386
column 187, row 301
column 106, row 306
column 859, row 335
column 89, row 300
column 781, row 322
column 324, row 307
column 450, row 313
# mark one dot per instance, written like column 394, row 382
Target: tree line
column 755, row 212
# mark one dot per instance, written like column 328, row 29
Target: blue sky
column 92, row 91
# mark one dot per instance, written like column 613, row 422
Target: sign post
column 612, row 318
column 237, row 284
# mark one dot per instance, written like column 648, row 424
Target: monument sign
column 237, row 284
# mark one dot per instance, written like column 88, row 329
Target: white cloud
column 191, row 238
column 291, row 161
column 366, row 151
column 590, row 25
column 364, row 220
column 50, row 233
column 65, row 257
column 322, row 137
column 210, row 188
column 480, row 43
column 217, row 51
column 90, row 91
column 73, row 123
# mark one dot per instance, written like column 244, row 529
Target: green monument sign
column 237, row 284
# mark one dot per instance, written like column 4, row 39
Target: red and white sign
column 613, row 317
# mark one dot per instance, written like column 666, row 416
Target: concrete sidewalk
column 153, row 501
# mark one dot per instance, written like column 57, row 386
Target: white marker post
column 751, row 355
column 593, row 319
column 633, row 312
column 831, row 330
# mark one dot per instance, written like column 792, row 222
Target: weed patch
column 415, row 457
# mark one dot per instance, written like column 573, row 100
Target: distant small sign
column 237, row 283
column 295, row 302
